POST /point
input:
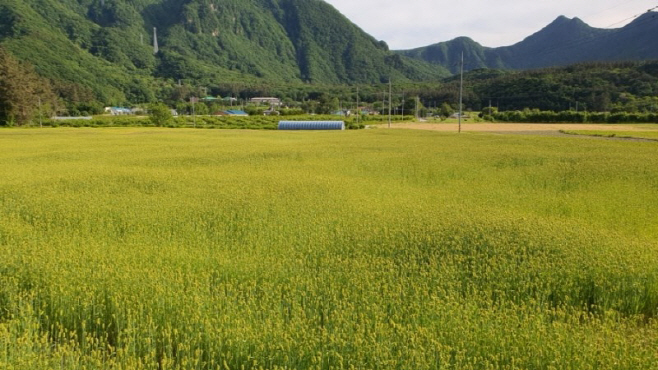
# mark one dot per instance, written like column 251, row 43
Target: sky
column 409, row 24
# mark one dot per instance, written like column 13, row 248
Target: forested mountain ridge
column 107, row 45
column 565, row 41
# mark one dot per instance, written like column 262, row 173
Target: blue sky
column 413, row 23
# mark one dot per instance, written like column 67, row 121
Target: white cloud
column 414, row 23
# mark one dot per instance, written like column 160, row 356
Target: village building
column 273, row 102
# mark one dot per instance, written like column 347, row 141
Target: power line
column 633, row 17
column 610, row 8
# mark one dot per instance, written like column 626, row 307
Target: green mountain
column 106, row 46
column 563, row 42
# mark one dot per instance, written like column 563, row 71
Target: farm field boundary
column 521, row 127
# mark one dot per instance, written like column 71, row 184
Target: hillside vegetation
column 595, row 87
column 106, row 46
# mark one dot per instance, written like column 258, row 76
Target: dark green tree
column 446, row 110
column 328, row 104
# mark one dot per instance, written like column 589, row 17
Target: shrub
column 160, row 114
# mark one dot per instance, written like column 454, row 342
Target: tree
column 328, row 104
column 23, row 94
column 310, row 106
column 160, row 114
column 601, row 102
column 489, row 111
column 178, row 94
column 201, row 109
column 446, row 110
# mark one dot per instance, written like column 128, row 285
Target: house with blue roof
column 236, row 112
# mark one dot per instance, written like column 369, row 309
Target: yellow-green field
column 374, row 249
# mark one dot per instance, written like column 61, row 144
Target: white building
column 271, row 101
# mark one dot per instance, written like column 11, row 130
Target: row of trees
column 537, row 116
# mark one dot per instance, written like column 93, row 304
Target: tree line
column 571, row 116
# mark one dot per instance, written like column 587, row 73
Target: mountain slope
column 565, row 41
column 106, row 45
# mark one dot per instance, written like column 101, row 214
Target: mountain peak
column 561, row 19
column 565, row 22
column 562, row 29
column 464, row 42
column 564, row 41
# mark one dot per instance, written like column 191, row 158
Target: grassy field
column 144, row 248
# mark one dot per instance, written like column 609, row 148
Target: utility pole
column 358, row 110
column 390, row 102
column 416, row 108
column 461, row 91
column 155, row 41
column 490, row 111
column 193, row 100
column 40, row 120
column 403, row 106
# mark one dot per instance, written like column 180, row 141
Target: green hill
column 105, row 46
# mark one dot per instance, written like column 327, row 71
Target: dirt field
column 516, row 127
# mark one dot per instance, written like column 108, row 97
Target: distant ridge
column 565, row 41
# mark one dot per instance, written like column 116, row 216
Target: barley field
column 145, row 248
